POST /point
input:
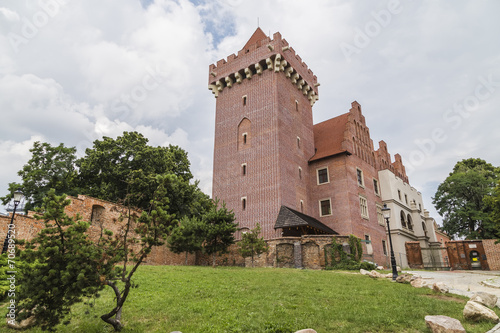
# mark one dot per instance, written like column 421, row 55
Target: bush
column 368, row 266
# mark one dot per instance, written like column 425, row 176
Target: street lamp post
column 18, row 196
column 386, row 211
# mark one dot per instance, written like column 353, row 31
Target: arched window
column 244, row 134
column 403, row 221
column 424, row 228
column 410, row 224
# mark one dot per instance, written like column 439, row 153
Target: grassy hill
column 230, row 299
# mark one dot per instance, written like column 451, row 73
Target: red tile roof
column 257, row 36
column 328, row 137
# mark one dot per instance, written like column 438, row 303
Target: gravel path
column 465, row 282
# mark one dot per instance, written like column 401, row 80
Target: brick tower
column 263, row 131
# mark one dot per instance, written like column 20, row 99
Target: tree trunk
column 252, row 260
column 213, row 260
column 186, row 258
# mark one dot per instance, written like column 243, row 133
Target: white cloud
column 86, row 73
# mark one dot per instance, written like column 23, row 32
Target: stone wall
column 307, row 251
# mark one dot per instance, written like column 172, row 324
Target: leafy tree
column 219, row 228
column 187, row 236
column 106, row 167
column 49, row 167
column 251, row 244
column 462, row 199
column 64, row 265
column 493, row 203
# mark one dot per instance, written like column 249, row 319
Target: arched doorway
column 475, row 260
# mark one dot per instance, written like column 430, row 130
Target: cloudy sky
column 427, row 73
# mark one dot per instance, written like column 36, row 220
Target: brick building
column 269, row 155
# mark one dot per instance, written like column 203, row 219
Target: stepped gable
column 329, row 136
column 259, row 54
column 384, row 162
column 290, row 218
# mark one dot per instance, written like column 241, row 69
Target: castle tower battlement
column 261, row 54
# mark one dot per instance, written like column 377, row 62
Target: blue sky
column 426, row 73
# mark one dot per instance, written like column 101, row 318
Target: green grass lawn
column 203, row 299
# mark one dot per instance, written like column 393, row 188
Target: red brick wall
column 272, row 155
column 459, row 254
column 27, row 227
column 492, row 252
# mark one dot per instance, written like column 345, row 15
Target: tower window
column 359, row 175
column 296, row 105
column 399, row 194
column 301, row 206
column 325, row 207
column 244, row 99
column 300, row 173
column 244, row 203
column 322, row 176
column 375, row 186
column 384, row 247
column 298, row 142
column 363, row 205
column 245, row 135
column 244, row 169
column 406, row 199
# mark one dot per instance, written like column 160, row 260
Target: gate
column 427, row 257
column 435, row 258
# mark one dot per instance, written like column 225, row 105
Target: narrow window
column 298, row 142
column 424, row 228
column 296, row 105
column 244, row 169
column 380, row 215
column 301, row 206
column 375, row 186
column 300, row 173
column 325, row 207
column 244, row 99
column 410, row 223
column 322, row 176
column 359, row 175
column 363, row 205
column 399, row 194
column 406, row 199
column 245, row 138
column 403, row 220
column 244, row 203
column 384, row 247
column 369, row 247
column 419, row 207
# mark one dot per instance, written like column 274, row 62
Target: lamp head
column 386, row 211
column 18, row 196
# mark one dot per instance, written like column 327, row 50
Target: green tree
column 105, row 168
column 64, row 265
column 493, row 203
column 187, row 236
column 219, row 229
column 251, row 244
column 49, row 167
column 152, row 227
column 462, row 199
